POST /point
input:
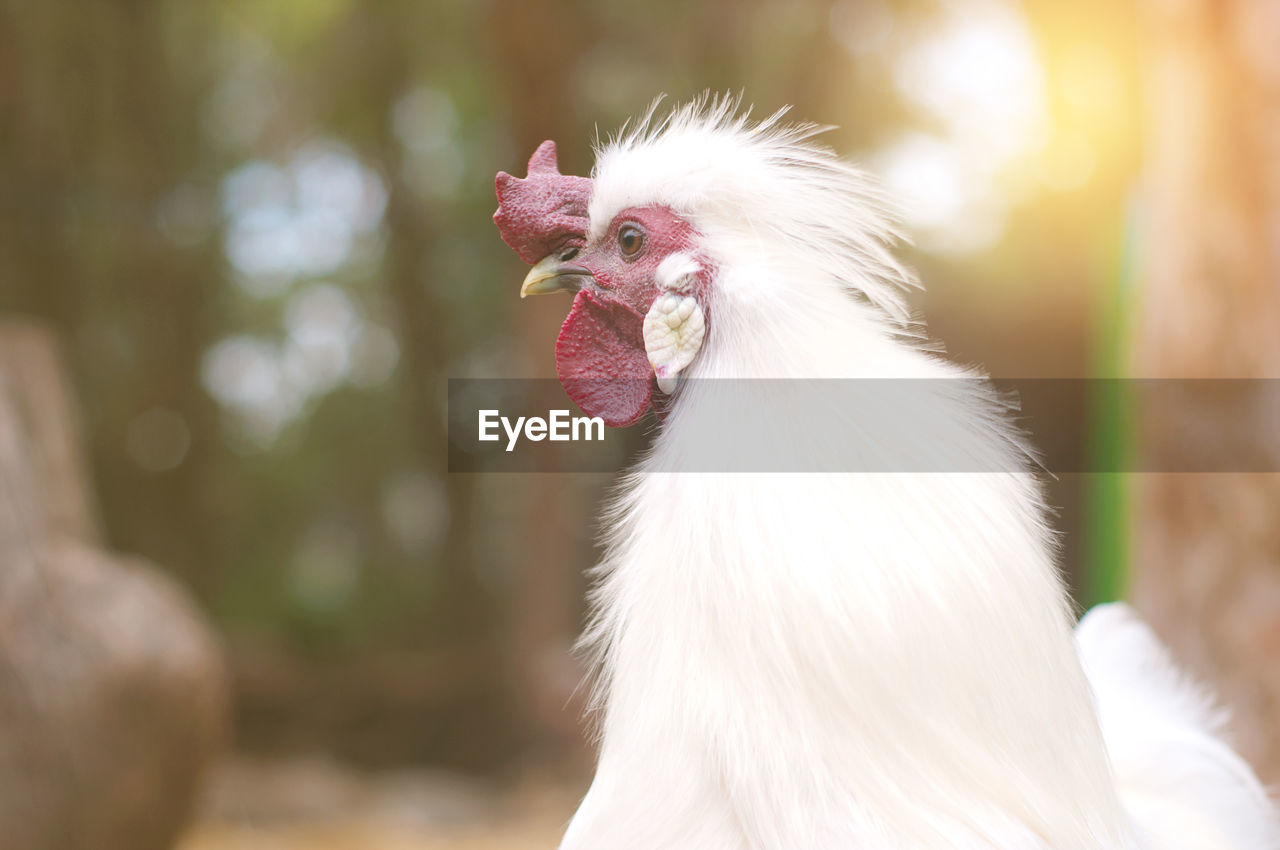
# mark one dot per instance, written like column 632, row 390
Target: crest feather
column 766, row 188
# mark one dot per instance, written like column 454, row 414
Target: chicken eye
column 630, row 240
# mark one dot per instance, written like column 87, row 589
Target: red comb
column 536, row 214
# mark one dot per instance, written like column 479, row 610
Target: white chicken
column 831, row 659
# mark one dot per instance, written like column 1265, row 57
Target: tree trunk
column 546, row 580
column 1207, row 559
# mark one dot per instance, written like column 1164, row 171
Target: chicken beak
column 553, row 275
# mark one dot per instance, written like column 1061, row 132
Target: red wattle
column 599, row 363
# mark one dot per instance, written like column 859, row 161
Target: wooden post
column 36, row 380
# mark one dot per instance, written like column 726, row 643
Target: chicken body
column 839, row 660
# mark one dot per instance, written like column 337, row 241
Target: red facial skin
column 632, row 279
column 600, row 354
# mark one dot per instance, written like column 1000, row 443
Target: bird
column 835, row 651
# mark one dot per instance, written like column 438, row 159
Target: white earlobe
column 673, row 332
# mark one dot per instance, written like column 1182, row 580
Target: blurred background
column 243, row 245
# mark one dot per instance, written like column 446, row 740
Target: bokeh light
column 974, row 78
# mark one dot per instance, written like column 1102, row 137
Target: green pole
column 1108, row 506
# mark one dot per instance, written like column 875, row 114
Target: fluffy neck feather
column 845, row 657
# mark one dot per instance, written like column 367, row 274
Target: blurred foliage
column 264, row 228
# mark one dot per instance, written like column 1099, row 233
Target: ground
column 315, row 804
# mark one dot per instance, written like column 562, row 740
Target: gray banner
column 882, row 425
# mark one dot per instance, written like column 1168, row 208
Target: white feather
column 827, row 660
column 1182, row 784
